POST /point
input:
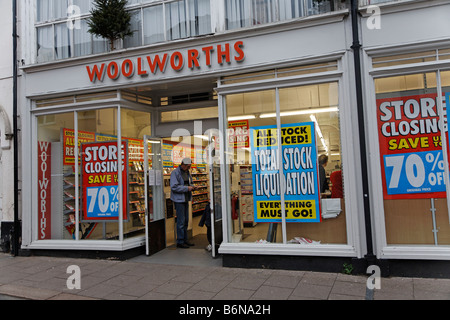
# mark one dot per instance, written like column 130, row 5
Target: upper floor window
column 62, row 30
column 246, row 13
column 60, row 9
column 369, row 2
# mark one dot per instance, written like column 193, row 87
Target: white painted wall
column 6, row 102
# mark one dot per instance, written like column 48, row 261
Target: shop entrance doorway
column 162, row 155
column 184, row 117
column 205, row 217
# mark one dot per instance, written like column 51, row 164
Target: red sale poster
column 409, row 130
column 238, row 133
column 100, row 182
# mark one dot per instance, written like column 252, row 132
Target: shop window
column 257, row 176
column 136, row 124
column 394, row 60
column 256, row 182
column 132, row 96
column 60, row 101
column 281, row 73
column 317, row 104
column 242, row 116
column 55, row 218
column 411, row 58
column 92, row 197
column 189, row 114
column 308, row 69
column 411, row 158
column 248, row 77
column 99, row 189
column 405, row 83
column 444, row 54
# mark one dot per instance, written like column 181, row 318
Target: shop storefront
column 217, row 91
column 269, row 116
column 407, row 85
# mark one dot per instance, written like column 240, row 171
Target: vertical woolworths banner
column 300, row 174
column 44, row 189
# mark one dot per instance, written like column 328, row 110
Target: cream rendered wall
column 6, row 102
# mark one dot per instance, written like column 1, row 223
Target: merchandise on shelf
column 136, row 193
column 200, row 196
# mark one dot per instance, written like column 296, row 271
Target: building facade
column 6, row 130
column 254, row 92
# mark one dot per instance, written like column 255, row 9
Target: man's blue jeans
column 182, row 209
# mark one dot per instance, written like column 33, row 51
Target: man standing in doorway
column 181, row 193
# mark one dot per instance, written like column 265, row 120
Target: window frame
column 30, row 219
column 382, row 249
column 354, row 246
column 134, row 7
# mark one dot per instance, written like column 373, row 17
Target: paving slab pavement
column 153, row 278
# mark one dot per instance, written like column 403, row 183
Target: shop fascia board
column 328, row 250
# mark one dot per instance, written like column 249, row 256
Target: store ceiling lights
column 283, row 114
column 244, row 117
column 319, row 132
column 299, row 112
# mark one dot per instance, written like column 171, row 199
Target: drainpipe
column 356, row 47
column 16, row 230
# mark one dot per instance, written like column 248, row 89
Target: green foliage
column 347, row 268
column 110, row 20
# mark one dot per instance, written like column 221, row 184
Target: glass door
column 155, row 226
column 215, row 192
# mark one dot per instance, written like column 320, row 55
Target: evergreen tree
column 110, row 20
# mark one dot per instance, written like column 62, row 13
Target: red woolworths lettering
column 195, row 58
column 44, row 190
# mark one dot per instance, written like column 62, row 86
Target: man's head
column 186, row 164
column 323, row 159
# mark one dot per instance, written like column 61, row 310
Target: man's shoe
column 190, row 244
column 182, row 245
